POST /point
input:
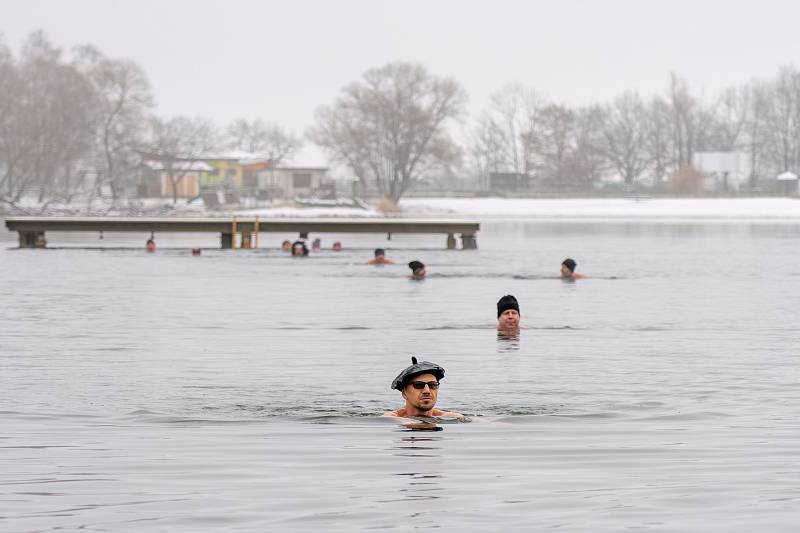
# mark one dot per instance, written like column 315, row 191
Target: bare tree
column 180, row 142
column 265, row 138
column 13, row 145
column 658, row 139
column 62, row 101
column 556, row 143
column 691, row 121
column 623, row 136
column 392, row 126
column 783, row 127
column 487, row 148
column 124, row 102
column 755, row 128
column 589, row 163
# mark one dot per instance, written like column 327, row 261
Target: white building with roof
column 291, row 182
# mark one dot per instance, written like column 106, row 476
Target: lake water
column 241, row 390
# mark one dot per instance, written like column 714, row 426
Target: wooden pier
column 32, row 230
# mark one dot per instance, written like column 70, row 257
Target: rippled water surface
column 241, row 390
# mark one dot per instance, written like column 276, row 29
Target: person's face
column 565, row 272
column 380, row 258
column 297, row 250
column 286, row 247
column 419, row 274
column 508, row 319
column 425, row 398
column 337, row 247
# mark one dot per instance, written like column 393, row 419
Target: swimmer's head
column 299, row 249
column 568, row 267
column 505, row 303
column 380, row 252
column 337, row 246
column 286, row 246
column 416, row 369
column 507, row 312
column 417, row 269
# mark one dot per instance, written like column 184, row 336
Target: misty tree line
column 70, row 122
column 396, row 124
column 80, row 123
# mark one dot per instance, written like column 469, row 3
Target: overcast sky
column 280, row 60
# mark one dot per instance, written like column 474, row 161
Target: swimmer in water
column 508, row 314
column 150, row 246
column 418, row 271
column 568, row 269
column 380, row 258
column 299, row 249
column 419, row 385
column 337, row 246
column 286, row 246
column 316, row 245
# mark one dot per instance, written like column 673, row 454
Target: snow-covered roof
column 182, row 166
column 302, row 168
column 787, row 176
column 241, row 156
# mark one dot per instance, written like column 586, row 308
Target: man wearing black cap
column 419, row 384
column 507, row 313
column 418, row 271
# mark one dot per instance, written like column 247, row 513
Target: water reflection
column 507, row 341
column 421, row 485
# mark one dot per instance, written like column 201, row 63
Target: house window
column 301, row 180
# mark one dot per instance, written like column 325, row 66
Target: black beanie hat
column 505, row 303
column 415, row 265
column 570, row 264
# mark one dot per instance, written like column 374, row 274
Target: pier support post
column 246, row 239
column 226, row 241
column 451, row 242
column 468, row 242
column 32, row 239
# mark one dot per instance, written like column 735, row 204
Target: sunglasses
column 419, row 385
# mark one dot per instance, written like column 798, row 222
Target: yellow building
column 235, row 169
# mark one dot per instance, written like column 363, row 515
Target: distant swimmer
column 380, row 258
column 507, row 314
column 418, row 271
column 286, row 246
column 337, row 246
column 419, row 385
column 150, row 245
column 299, row 249
column 316, row 245
column 568, row 269
column 197, row 251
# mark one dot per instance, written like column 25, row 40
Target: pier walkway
column 32, row 230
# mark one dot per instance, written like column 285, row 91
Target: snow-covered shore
column 610, row 209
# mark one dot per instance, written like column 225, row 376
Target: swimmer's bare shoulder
column 434, row 412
